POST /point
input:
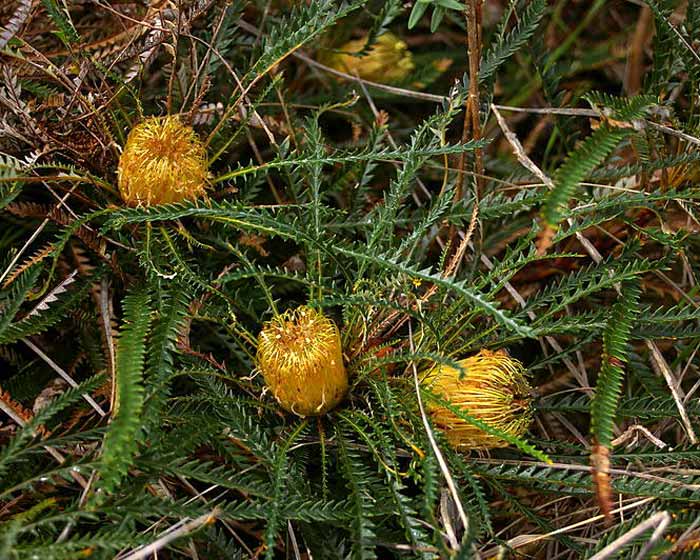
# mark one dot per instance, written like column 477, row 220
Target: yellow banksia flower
column 389, row 59
column 163, row 161
column 300, row 356
column 493, row 389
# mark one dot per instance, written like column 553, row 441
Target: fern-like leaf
column 576, row 168
column 528, row 22
column 280, row 491
column 121, row 440
column 609, row 385
column 621, row 108
column 609, row 389
column 357, row 476
column 161, row 348
column 58, row 12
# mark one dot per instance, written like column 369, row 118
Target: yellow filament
column 389, row 59
column 493, row 389
column 163, row 161
column 300, row 357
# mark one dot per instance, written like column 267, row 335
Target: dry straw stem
column 452, row 487
column 163, row 161
column 58, row 369
column 300, row 357
column 528, row 164
column 178, row 530
column 659, row 521
column 525, row 540
column 662, row 366
column 491, row 387
column 106, row 320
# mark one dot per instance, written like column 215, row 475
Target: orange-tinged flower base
column 389, row 60
column 301, row 359
column 493, row 389
column 163, row 161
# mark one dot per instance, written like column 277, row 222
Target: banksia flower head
column 301, row 359
column 493, row 389
column 163, row 161
column 389, row 60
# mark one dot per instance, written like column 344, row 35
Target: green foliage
column 507, row 44
column 586, row 157
column 279, row 489
column 374, row 204
column 60, row 16
column 621, row 108
column 39, row 321
column 675, row 36
column 358, row 483
column 524, row 446
column 611, row 377
column 122, row 438
column 19, row 451
column 10, row 168
column 439, row 9
column 172, row 306
column 304, row 24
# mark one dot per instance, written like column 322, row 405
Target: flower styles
column 163, row 161
column 389, row 59
column 300, row 357
column 493, row 389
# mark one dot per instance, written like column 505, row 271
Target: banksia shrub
column 301, row 359
column 163, row 161
column 389, row 59
column 132, row 393
column 493, row 389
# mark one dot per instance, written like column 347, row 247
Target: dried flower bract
column 300, row 357
column 163, row 161
column 389, row 59
column 493, row 389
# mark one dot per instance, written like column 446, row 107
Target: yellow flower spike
column 163, row 161
column 493, row 389
column 389, row 59
column 301, row 359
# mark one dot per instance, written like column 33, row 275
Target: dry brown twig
column 472, row 126
column 635, row 57
column 106, row 315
